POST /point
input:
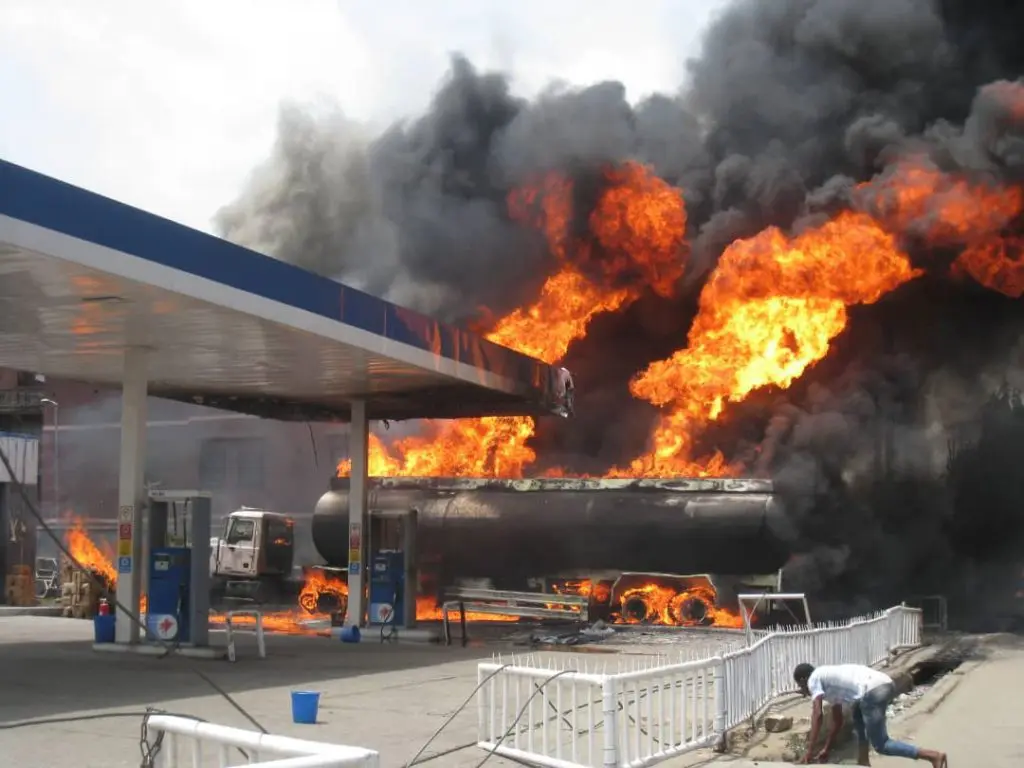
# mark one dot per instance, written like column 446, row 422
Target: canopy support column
column 359, row 453
column 131, row 492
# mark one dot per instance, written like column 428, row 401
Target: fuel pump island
column 386, row 363
column 176, row 576
column 183, row 562
column 255, row 555
column 177, row 583
column 393, row 582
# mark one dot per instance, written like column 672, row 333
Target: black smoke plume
column 790, row 104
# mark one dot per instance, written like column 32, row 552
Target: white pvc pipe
column 609, row 709
column 306, row 761
column 262, row 742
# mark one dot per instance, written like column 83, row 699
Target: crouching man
column 868, row 692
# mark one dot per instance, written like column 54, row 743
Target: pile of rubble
column 80, row 592
column 18, row 587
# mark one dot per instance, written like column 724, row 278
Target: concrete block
column 778, row 723
column 902, row 680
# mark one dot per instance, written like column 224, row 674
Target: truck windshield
column 241, row 531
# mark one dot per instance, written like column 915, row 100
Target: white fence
column 572, row 718
column 191, row 742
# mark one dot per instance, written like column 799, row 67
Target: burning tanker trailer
column 632, row 546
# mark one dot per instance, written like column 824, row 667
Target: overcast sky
column 168, row 104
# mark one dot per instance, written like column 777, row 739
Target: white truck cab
column 256, row 544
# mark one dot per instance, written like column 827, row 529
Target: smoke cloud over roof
column 791, row 106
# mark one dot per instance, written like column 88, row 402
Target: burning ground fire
column 317, row 588
column 770, row 309
column 649, row 603
column 654, row 603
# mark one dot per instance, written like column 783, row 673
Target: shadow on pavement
column 45, row 674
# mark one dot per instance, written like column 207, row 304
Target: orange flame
column 634, row 242
column 99, row 560
column 916, row 197
column 997, row 264
column 287, row 622
column 663, row 605
column 318, row 584
column 653, row 602
column 943, row 209
column 307, row 619
column 770, row 309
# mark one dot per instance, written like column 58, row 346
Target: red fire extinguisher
column 104, row 607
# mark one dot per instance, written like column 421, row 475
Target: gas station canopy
column 84, row 278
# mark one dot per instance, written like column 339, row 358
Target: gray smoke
column 790, row 105
column 787, row 97
column 416, row 215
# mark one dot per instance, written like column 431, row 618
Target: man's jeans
column 869, row 723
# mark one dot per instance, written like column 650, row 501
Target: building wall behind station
column 240, row 460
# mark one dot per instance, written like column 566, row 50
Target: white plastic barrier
column 257, row 629
column 756, row 675
column 665, row 712
column 566, row 718
column 189, row 742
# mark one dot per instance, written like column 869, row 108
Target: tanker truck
column 644, row 551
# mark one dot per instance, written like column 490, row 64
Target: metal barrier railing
column 190, row 742
column 534, row 605
column 545, row 714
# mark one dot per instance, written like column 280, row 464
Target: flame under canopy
column 769, row 310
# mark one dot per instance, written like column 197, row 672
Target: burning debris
column 629, row 598
column 95, row 558
column 657, row 600
column 322, row 595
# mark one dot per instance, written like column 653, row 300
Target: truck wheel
column 308, row 601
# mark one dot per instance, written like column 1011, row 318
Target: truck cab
column 256, row 544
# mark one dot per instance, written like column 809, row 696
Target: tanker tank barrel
column 518, row 529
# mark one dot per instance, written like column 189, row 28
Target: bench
column 257, row 630
column 527, row 605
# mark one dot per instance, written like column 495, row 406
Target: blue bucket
column 350, row 634
column 103, row 627
column 305, row 705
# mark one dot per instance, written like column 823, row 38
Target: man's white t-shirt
column 844, row 683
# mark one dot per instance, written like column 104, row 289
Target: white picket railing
column 190, row 742
column 764, row 671
column 548, row 712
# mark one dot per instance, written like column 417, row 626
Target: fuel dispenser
column 167, row 601
column 178, row 567
column 393, row 580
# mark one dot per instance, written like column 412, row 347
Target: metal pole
column 56, row 457
column 131, row 491
column 358, row 519
column 56, row 453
